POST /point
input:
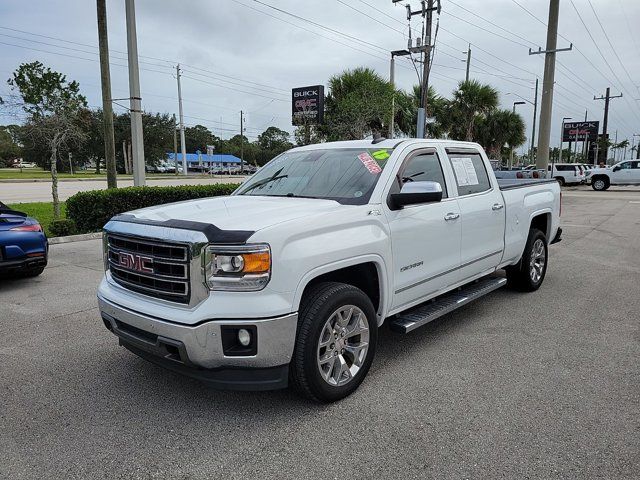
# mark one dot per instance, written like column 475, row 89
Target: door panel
column 425, row 245
column 426, row 249
column 482, row 214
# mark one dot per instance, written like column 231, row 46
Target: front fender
column 377, row 260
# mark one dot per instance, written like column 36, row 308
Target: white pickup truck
column 289, row 279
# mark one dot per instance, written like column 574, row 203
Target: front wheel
column 336, row 341
column 599, row 184
column 527, row 275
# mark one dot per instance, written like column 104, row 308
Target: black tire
column 520, row 276
column 561, row 181
column 317, row 306
column 600, row 183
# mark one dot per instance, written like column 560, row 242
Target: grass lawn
column 41, row 211
column 38, row 173
column 31, row 173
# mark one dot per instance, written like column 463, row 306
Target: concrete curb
column 75, row 238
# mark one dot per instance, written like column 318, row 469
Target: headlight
column 237, row 268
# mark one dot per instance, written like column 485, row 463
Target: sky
column 244, row 55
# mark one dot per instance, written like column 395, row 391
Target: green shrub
column 91, row 210
column 62, row 227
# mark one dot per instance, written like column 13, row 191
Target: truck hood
column 239, row 212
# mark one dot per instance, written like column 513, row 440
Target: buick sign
column 307, row 105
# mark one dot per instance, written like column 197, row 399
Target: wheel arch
column 367, row 272
column 542, row 221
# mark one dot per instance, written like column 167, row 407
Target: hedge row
column 91, row 210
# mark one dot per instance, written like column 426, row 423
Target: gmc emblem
column 139, row 263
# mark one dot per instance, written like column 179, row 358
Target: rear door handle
column 451, row 216
column 497, row 206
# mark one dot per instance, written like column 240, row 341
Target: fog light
column 244, row 337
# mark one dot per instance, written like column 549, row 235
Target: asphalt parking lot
column 542, row 385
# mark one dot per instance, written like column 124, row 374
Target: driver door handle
column 497, row 206
column 451, row 216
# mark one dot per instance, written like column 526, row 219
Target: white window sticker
column 465, row 171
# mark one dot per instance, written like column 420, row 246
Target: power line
column 615, row 52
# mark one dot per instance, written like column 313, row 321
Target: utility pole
column 426, row 65
column 466, row 78
column 546, row 106
column 183, row 146
column 241, row 142
column 135, row 101
column 533, row 127
column 175, row 144
column 637, row 146
column 107, row 108
column 607, row 98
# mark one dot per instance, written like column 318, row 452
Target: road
column 41, row 191
column 542, row 385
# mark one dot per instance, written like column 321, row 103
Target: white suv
column 567, row 173
column 626, row 172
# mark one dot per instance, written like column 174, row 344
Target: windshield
column 347, row 175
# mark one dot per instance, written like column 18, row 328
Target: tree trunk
column 54, row 182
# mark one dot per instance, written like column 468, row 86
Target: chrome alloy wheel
column 599, row 184
column 343, row 345
column 537, row 262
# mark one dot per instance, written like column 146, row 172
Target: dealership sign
column 307, row 105
column 583, row 130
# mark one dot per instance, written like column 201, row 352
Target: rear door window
column 469, row 171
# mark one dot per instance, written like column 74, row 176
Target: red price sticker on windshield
column 369, row 163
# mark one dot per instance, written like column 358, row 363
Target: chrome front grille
column 150, row 267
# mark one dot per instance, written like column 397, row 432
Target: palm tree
column 498, row 128
column 471, row 100
column 358, row 104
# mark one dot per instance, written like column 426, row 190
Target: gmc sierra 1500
column 288, row 280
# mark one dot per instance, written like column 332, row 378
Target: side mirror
column 413, row 193
column 616, row 168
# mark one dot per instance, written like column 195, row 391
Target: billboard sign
column 584, row 130
column 307, row 105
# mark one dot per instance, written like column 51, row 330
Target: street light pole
column 511, row 154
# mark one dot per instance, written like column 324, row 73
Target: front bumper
column 197, row 350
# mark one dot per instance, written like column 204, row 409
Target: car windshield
column 347, row 175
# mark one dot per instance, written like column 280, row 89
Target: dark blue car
column 23, row 244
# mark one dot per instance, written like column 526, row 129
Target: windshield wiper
column 261, row 183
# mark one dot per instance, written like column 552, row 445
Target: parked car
column 23, row 245
column 588, row 170
column 528, row 172
column 24, row 165
column 290, row 277
column 626, row 172
column 567, row 173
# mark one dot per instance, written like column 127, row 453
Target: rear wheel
column 336, row 341
column 527, row 275
column 561, row 181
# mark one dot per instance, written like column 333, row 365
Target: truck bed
column 511, row 183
